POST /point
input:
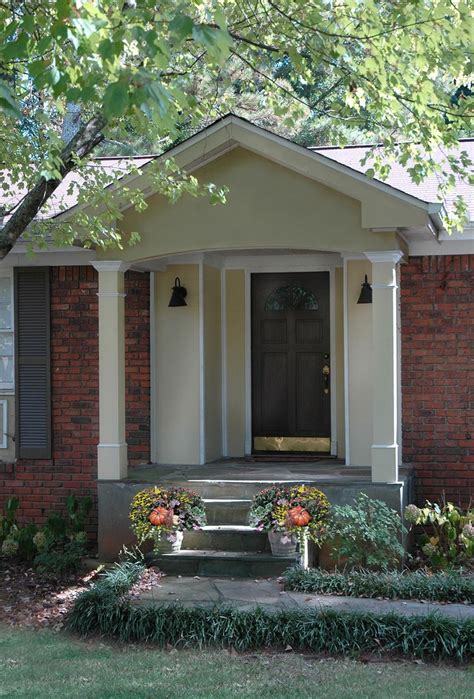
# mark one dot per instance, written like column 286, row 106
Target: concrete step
column 227, row 510
column 226, row 537
column 242, row 564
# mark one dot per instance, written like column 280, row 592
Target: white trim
column 393, row 285
column 47, row 258
column 385, row 256
column 153, row 372
column 284, row 264
column 111, row 294
column 4, row 438
column 225, row 447
column 399, row 368
column 112, row 446
column 9, row 386
column 202, row 384
column 110, row 265
column 456, row 246
column 248, row 364
column 311, row 262
column 332, row 360
column 347, row 434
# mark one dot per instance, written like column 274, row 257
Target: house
column 270, row 353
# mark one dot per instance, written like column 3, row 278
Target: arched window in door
column 291, row 296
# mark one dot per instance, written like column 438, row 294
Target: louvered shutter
column 33, row 363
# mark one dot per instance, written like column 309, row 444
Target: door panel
column 290, row 347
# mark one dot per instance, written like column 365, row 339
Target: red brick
column 437, row 313
column 42, row 485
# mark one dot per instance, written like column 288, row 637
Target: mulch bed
column 31, row 600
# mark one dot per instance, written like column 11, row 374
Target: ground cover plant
column 366, row 534
column 450, row 586
column 106, row 609
column 47, row 665
column 448, row 533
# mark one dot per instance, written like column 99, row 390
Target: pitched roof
column 66, row 195
column 427, row 190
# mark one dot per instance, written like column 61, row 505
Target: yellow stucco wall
column 212, row 363
column 268, row 206
column 359, row 364
column 177, row 421
column 235, row 350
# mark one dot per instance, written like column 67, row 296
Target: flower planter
column 282, row 544
column 164, row 545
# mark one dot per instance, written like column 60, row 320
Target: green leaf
column 116, row 99
column 7, row 101
column 181, row 26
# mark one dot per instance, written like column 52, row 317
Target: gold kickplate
column 319, row 444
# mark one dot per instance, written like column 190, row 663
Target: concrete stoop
column 227, row 546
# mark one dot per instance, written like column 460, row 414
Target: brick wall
column 437, row 314
column 43, row 486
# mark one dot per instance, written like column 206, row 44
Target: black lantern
column 178, row 295
column 365, row 292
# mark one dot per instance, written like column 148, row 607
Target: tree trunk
column 81, row 145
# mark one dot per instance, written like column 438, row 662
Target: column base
column 384, row 463
column 112, row 461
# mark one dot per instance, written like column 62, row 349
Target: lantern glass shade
column 178, row 295
column 365, row 295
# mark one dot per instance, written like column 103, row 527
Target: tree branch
column 83, row 143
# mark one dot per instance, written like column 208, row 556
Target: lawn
column 46, row 664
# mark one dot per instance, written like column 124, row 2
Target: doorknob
column 326, row 373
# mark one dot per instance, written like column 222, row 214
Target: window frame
column 8, row 387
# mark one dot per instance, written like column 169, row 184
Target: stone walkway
column 269, row 594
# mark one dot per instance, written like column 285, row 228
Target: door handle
column 326, row 374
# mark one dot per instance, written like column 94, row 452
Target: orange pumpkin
column 299, row 516
column 159, row 515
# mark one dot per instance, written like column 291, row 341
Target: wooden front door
column 290, row 362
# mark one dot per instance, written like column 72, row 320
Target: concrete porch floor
column 331, row 471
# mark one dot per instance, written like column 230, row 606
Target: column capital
column 110, row 265
column 393, row 256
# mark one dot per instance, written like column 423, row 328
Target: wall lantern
column 365, row 292
column 178, row 295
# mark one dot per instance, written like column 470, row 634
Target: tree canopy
column 142, row 73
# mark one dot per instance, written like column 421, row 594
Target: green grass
column 440, row 587
column 46, row 665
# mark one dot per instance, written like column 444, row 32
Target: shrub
column 157, row 511
column 441, row 587
column 105, row 609
column 58, row 547
column 62, row 542
column 448, row 533
column 366, row 534
column 301, row 510
column 16, row 541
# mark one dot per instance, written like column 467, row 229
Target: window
column 7, row 372
column 292, row 296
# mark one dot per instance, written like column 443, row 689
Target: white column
column 112, row 448
column 385, row 365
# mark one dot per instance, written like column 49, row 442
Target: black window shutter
column 33, row 363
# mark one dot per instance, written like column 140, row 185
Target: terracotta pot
column 166, row 546
column 282, row 544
